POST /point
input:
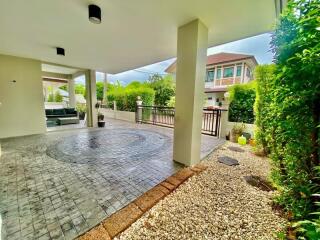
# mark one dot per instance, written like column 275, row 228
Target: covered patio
column 59, row 185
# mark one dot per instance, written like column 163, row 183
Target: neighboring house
column 223, row 70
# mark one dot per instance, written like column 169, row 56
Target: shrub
column 264, row 75
column 51, row 97
column 99, row 89
column 80, row 89
column 171, row 102
column 289, row 109
column 58, row 97
column 126, row 97
column 81, row 108
column 242, row 97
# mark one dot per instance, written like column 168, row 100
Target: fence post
column 139, row 110
column 223, row 124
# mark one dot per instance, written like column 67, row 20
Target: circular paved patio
column 69, row 181
column 109, row 147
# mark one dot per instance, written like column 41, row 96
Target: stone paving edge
column 125, row 217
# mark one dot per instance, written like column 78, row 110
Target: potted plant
column 101, row 122
column 100, row 117
column 237, row 131
column 81, row 109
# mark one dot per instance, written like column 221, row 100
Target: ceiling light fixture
column 60, row 51
column 94, row 14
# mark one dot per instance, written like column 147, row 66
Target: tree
column 154, row 78
column 100, row 88
column 164, row 88
column 64, row 87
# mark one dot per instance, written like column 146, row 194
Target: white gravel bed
column 217, row 204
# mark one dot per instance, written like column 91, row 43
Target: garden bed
column 217, row 204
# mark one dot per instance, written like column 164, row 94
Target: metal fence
column 164, row 116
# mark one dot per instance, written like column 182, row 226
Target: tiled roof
column 226, row 57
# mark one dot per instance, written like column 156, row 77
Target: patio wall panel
column 21, row 97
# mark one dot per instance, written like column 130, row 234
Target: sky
column 259, row 46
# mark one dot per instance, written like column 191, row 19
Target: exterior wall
column 22, row 106
column 121, row 115
column 213, row 101
column 247, row 78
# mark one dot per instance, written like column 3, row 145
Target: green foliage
column 58, row 97
column 238, row 128
column 288, row 106
column 51, row 97
column 164, row 89
column 154, row 78
column 80, row 89
column 242, row 97
column 310, row 228
column 81, row 108
column 126, row 97
column 264, row 75
column 100, row 88
column 64, row 87
column 171, row 102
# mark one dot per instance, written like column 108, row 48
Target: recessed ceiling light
column 94, row 14
column 60, row 51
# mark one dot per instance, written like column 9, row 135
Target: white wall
column 22, row 106
column 121, row 115
column 214, row 97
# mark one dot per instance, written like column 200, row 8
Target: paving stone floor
column 60, row 184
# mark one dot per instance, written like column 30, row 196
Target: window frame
column 219, row 69
column 238, row 67
column 211, row 70
column 232, row 69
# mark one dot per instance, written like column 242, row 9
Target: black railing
column 164, row 116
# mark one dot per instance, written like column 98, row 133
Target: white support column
column 72, row 94
column 191, row 68
column 91, row 98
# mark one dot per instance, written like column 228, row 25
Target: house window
column 209, row 98
column 210, row 76
column 218, row 73
column 239, row 68
column 228, row 72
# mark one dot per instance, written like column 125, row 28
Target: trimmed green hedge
column 288, row 109
column 265, row 76
column 126, row 97
column 242, row 98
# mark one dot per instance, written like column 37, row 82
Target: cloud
column 259, row 46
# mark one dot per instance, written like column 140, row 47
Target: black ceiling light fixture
column 60, row 51
column 94, row 14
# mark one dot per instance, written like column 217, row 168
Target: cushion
column 70, row 111
column 58, row 111
column 48, row 111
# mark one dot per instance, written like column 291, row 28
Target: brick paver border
column 122, row 219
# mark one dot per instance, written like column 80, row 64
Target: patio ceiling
column 132, row 33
